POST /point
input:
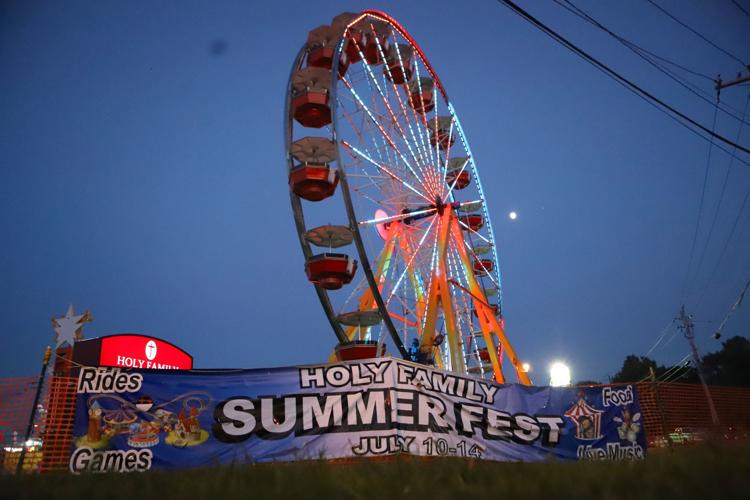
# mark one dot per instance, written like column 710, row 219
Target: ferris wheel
column 390, row 212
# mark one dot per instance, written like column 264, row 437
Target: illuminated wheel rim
column 413, row 202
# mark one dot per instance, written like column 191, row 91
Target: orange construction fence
column 671, row 414
column 42, row 437
column 679, row 414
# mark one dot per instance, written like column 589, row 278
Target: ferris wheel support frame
column 487, row 319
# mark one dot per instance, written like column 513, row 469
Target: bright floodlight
column 559, row 374
column 526, row 367
column 513, row 215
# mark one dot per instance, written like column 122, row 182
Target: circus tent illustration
column 588, row 420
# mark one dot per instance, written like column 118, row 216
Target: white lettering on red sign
column 128, row 362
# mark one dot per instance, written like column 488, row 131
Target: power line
column 573, row 9
column 721, row 199
column 648, row 97
column 726, row 244
column 664, row 59
column 736, row 4
column 642, row 53
column 696, row 33
column 676, row 367
column 660, row 338
column 734, row 307
column 687, row 282
column 677, row 375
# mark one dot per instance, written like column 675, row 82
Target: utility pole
column 687, row 330
column 720, row 84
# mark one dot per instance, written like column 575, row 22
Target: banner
column 135, row 421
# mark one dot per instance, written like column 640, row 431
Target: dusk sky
column 143, row 175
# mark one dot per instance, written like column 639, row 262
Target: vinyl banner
column 138, row 420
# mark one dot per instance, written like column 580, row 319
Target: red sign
column 139, row 351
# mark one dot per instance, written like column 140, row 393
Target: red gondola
column 354, row 41
column 321, row 43
column 357, row 349
column 330, row 270
column 400, row 61
column 441, row 133
column 313, row 182
column 462, row 179
column 421, row 95
column 473, row 221
column 484, row 354
column 376, row 42
column 483, row 266
column 310, row 97
column 313, row 179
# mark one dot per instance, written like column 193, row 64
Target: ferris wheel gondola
column 377, row 157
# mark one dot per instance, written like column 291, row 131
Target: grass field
column 705, row 472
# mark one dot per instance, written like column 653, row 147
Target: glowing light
column 559, row 374
column 513, row 216
column 526, row 367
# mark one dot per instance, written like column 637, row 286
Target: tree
column 730, row 365
column 635, row 368
column 583, row 383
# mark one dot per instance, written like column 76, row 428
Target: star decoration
column 69, row 328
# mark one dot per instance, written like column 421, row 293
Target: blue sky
column 142, row 175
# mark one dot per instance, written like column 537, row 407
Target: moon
column 513, row 216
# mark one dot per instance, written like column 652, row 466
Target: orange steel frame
column 439, row 293
column 438, row 297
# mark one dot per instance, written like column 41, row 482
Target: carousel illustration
column 144, row 424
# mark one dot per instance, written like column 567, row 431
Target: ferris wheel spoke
column 419, row 144
column 402, row 107
column 383, row 220
column 410, row 262
column 481, row 237
column 358, row 131
column 382, row 93
column 387, row 171
column 409, row 297
column 384, row 189
column 454, row 245
column 406, row 308
column 407, row 311
column 377, row 184
column 477, row 259
column 444, row 169
column 457, row 176
column 374, row 178
column 418, row 118
column 385, row 134
column 361, row 286
column 361, row 106
column 371, row 199
column 422, row 119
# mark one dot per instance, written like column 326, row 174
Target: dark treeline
column 729, row 366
